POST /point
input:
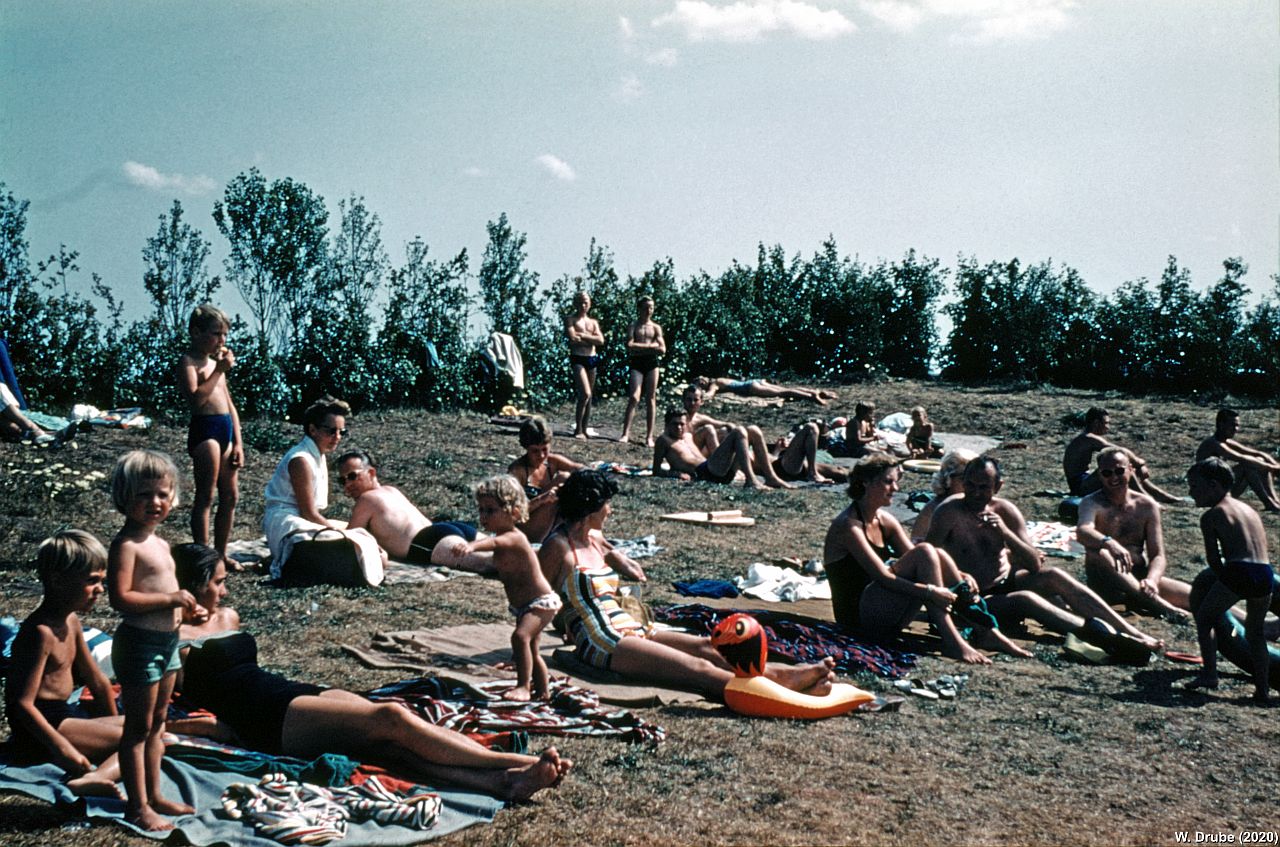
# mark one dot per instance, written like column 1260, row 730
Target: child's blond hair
column 136, row 466
column 506, row 492
column 67, row 555
column 204, row 315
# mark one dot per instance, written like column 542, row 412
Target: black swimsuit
column 848, row 579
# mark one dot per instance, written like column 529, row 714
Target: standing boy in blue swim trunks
column 144, row 588
column 213, row 438
column 1235, row 546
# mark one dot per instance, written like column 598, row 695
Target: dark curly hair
column 584, row 492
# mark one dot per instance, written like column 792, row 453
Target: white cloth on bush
column 506, row 358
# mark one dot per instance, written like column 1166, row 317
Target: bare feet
column 147, row 818
column 232, row 565
column 92, row 785
column 171, row 808
column 519, row 694
column 522, row 783
column 625, row 438
column 648, row 442
column 778, row 482
column 964, row 653
column 581, row 435
column 1201, row 681
column 809, row 679
column 994, row 639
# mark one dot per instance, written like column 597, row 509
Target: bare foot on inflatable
column 523, row 783
column 147, row 818
column 171, row 808
column 994, row 639
column 519, row 694
column 92, row 785
column 808, row 679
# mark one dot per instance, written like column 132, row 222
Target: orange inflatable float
column 741, row 640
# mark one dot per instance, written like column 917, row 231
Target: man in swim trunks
column 987, row 537
column 583, row 332
column 795, row 456
column 1251, row 468
column 1124, row 544
column 708, row 433
column 645, row 349
column 1077, row 460
column 398, row 525
column 1235, row 545
column 675, row 447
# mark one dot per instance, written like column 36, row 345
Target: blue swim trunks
column 1248, row 579
column 219, row 428
column 144, row 656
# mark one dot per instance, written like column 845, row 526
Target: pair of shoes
column 919, row 689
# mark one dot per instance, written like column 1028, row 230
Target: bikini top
column 883, row 550
column 530, row 490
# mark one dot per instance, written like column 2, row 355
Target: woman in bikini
column 541, row 472
column 272, row 714
column 879, row 579
column 607, row 636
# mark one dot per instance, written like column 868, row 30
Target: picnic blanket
column 798, row 639
column 1055, row 539
column 203, row 788
column 479, row 707
column 472, row 652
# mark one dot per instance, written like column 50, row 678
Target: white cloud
column 145, row 176
column 750, row 20
column 666, row 57
column 980, row 21
column 473, row 171
column 629, row 88
column 625, row 28
column 895, row 14
column 557, row 167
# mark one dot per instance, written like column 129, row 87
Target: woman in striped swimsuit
column 605, row 634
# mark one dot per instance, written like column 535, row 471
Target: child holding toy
column 144, row 589
column 502, row 504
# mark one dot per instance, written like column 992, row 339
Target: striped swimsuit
column 592, row 616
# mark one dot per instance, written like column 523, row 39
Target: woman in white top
column 298, row 492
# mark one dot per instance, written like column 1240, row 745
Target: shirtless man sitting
column 708, row 433
column 1078, row 457
column 1124, row 544
column 400, row 528
column 987, row 537
column 795, row 456
column 1252, row 468
column 675, row 447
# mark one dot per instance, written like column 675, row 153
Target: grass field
column 1034, row 751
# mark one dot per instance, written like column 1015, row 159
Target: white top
column 6, row 397
column 281, row 516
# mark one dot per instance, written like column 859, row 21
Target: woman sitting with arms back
column 541, row 472
column 879, row 579
column 269, row 713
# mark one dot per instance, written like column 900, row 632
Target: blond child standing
column 213, row 436
column 502, row 504
column 144, row 653
column 50, row 658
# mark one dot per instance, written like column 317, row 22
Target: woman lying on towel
column 879, row 579
column 760, row 388
column 267, row 712
column 608, row 637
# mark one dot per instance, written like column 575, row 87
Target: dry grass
column 1037, row 751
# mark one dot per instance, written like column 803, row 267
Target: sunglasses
column 1110, row 472
column 333, row 430
column 352, row 476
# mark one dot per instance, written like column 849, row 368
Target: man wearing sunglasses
column 399, row 526
column 1080, row 451
column 1124, row 544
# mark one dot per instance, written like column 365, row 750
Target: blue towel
column 706, row 588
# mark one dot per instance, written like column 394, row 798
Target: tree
column 508, row 289
column 175, row 275
column 277, row 235
column 15, row 274
column 359, row 262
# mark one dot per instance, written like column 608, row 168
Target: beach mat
column 211, row 825
column 471, row 652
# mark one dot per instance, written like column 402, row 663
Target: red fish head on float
column 741, row 640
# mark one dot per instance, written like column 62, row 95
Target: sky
column 1102, row 134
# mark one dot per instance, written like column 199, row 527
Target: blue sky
column 1103, row 135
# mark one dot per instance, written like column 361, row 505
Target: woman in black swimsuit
column 273, row 714
column 541, row 472
column 879, row 579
